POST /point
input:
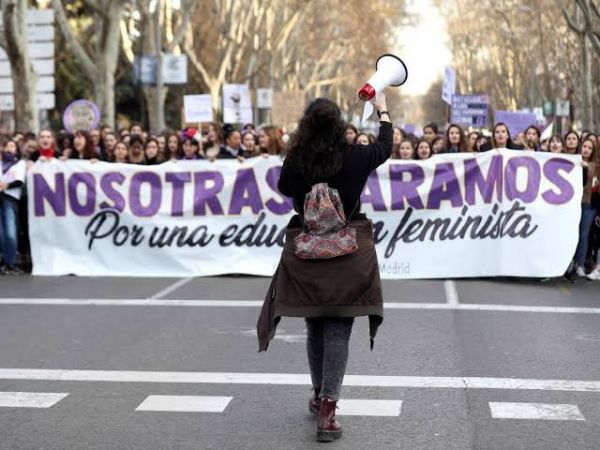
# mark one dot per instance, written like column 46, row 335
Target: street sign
column 37, row 50
column 562, row 108
column 470, row 110
column 548, row 108
column 40, row 42
column 44, row 84
column 43, row 101
column 264, row 98
column 40, row 67
column 449, row 87
column 174, row 69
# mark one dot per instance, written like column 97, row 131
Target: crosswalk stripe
column 367, row 407
column 291, row 379
column 539, row 411
column 30, row 399
column 184, row 403
column 258, row 303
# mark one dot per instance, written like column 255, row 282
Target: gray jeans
column 327, row 348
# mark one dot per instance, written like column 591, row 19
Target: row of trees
column 525, row 52
column 320, row 47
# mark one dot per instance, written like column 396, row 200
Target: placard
column 197, row 108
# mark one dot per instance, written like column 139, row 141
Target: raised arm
column 379, row 152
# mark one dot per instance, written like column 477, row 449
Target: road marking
column 258, row 304
column 451, row 294
column 538, row 411
column 297, row 379
column 184, row 403
column 30, row 399
column 173, row 287
column 381, row 408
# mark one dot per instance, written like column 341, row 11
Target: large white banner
column 462, row 215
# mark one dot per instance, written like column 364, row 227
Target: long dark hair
column 88, row 151
column 316, row 147
column 462, row 142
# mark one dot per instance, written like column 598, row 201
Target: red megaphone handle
column 367, row 92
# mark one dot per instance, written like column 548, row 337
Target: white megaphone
column 389, row 71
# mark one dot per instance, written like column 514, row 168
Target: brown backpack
column 325, row 233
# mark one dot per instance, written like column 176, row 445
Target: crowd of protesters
column 213, row 141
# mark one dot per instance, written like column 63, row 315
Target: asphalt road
column 172, row 364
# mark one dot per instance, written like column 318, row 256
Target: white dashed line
column 184, row 403
column 29, row 399
column 537, row 411
column 369, row 407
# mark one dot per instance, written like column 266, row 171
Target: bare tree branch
column 72, row 42
column 570, row 22
column 187, row 9
column 95, row 7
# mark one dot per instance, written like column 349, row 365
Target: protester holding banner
column 437, row 145
column 454, row 141
column 233, row 143
column 65, row 143
column 136, row 150
column 398, row 137
column 249, row 144
column 430, row 132
column 83, row 147
column 532, row 138
column 472, row 140
column 173, row 150
column 407, row 150
column 152, row 153
column 12, row 178
column 46, row 146
column 189, row 149
column 588, row 212
column 501, row 139
column 424, row 150
column 211, row 141
column 330, row 293
column 555, row 144
column 572, row 142
column 109, row 140
column 121, row 153
column 270, row 142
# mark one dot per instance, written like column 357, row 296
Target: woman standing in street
column 324, row 174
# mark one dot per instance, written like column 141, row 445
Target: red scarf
column 47, row 152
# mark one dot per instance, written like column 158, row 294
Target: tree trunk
column 23, row 77
column 588, row 86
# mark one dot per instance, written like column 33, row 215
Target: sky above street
column 423, row 48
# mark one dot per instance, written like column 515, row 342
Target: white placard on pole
column 237, row 106
column 562, row 108
column 449, row 87
column 197, row 108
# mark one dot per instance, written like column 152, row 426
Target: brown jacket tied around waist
column 345, row 286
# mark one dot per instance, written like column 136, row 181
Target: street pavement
column 130, row 363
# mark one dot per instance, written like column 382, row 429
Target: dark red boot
column 328, row 429
column 314, row 403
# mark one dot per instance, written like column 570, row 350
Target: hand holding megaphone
column 389, row 71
